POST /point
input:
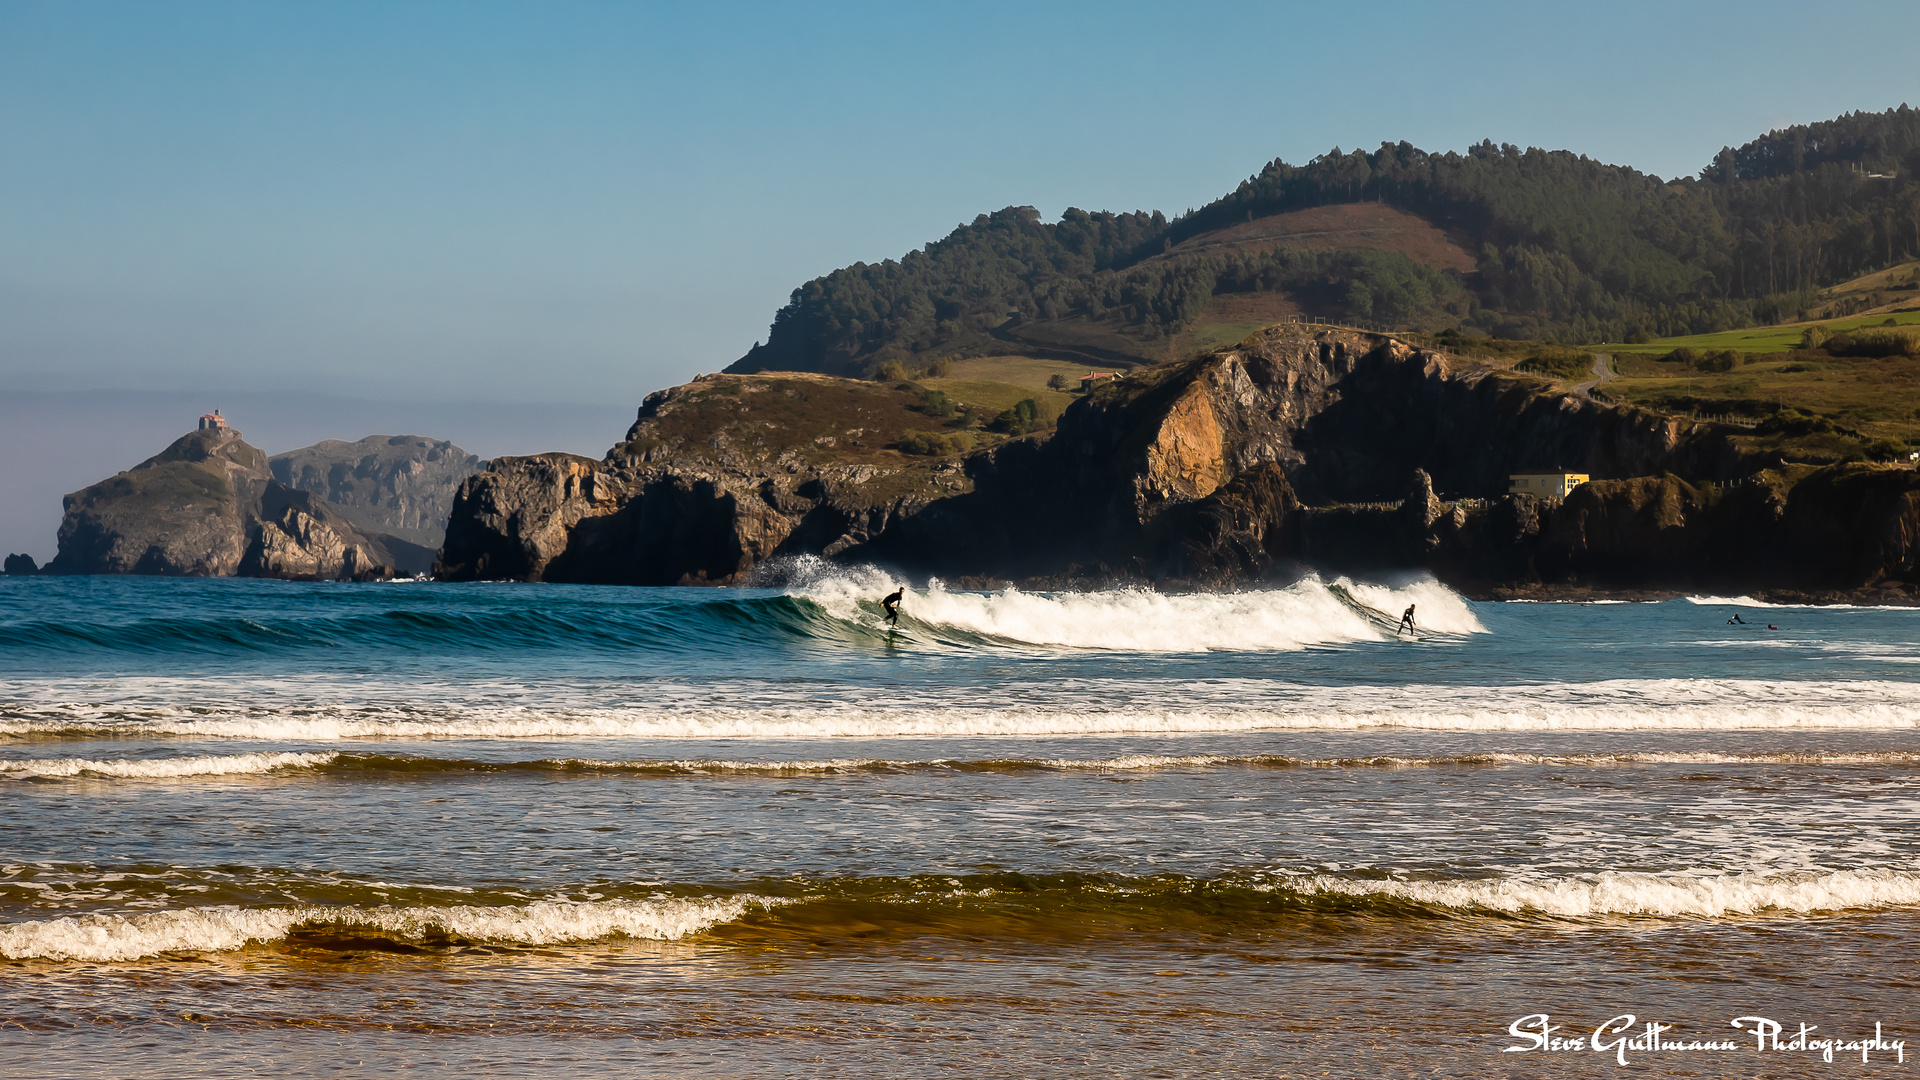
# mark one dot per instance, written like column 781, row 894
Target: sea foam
column 164, row 768
column 111, row 937
column 1222, row 705
column 1309, row 612
column 1664, row 895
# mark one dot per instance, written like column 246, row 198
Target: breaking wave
column 1309, row 612
column 163, row 768
column 109, row 937
column 142, row 708
column 820, row 602
column 1663, row 895
column 1030, row 906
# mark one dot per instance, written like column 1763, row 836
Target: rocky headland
column 212, row 505
column 401, row 485
column 1295, row 448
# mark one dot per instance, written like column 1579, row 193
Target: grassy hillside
column 823, row 420
column 1805, row 404
column 1370, row 226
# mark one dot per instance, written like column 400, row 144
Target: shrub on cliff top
column 1557, row 361
column 1026, row 415
column 936, row 403
column 933, row 444
column 1875, row 343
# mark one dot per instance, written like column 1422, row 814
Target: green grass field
column 1867, row 399
column 1030, row 372
column 1759, row 339
column 996, row 396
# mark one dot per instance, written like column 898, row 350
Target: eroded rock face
column 401, row 485
column 714, row 478
column 208, row 506
column 1340, row 449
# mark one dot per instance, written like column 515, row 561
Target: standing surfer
column 892, row 604
column 1406, row 621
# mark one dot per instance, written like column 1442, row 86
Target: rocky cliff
column 712, row 479
column 209, row 506
column 1332, row 448
column 400, row 485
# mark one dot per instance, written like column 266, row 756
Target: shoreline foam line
column 116, row 937
column 339, row 763
column 164, row 768
column 1662, row 895
column 866, row 724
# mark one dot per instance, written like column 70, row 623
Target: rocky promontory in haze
column 1300, row 445
column 401, row 485
column 211, row 505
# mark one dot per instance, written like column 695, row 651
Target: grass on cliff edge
column 828, row 421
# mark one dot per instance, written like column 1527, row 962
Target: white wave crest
column 1309, row 612
column 1750, row 602
column 1666, row 895
column 163, row 768
column 113, row 937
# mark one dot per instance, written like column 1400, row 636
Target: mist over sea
column 268, row 828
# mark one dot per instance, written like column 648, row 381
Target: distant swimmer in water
column 1406, row 621
column 892, row 604
column 1736, row 619
column 1770, row 626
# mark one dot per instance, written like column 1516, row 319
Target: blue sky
column 563, row 203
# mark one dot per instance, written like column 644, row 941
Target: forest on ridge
column 1565, row 248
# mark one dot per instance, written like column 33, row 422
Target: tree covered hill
column 1567, row 248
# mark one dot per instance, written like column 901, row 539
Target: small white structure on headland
column 213, row 421
column 1555, row 483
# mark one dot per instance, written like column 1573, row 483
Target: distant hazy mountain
column 402, row 485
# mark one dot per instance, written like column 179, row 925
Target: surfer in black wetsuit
column 1736, row 620
column 892, row 604
column 1406, row 621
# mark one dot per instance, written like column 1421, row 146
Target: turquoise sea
column 253, row 828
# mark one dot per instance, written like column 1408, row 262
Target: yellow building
column 1556, row 484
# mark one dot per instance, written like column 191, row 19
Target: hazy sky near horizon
column 586, row 201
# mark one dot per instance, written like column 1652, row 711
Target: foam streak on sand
column 1664, row 895
column 337, row 764
column 220, row 929
column 1212, row 706
column 164, row 768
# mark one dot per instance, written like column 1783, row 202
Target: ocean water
column 257, row 828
